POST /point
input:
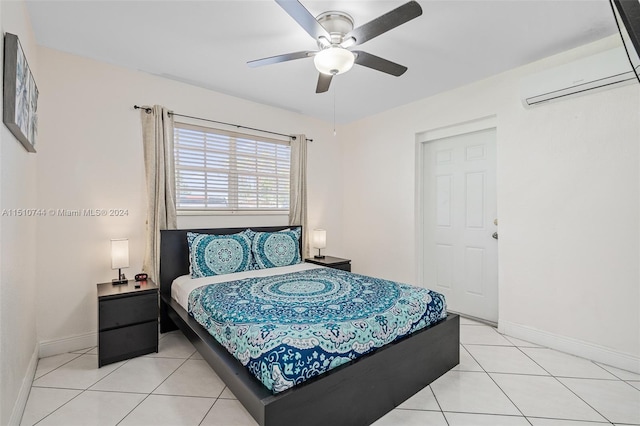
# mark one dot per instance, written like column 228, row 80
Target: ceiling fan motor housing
column 337, row 24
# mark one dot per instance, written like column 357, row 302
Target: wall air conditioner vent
column 603, row 70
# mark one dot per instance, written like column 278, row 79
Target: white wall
column 91, row 157
column 18, row 172
column 568, row 206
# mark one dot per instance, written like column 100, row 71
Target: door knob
column 495, row 235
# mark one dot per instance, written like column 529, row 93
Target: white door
column 459, row 246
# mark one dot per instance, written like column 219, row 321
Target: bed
column 357, row 392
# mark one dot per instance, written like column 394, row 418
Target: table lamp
column 319, row 241
column 120, row 259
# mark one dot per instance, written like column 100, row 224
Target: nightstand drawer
column 332, row 262
column 342, row 266
column 126, row 342
column 128, row 310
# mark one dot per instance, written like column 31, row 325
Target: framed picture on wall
column 20, row 94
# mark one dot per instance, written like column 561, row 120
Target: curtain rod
column 148, row 111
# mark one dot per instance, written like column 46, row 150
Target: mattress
column 183, row 285
column 289, row 326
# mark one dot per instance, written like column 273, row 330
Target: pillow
column 218, row 254
column 297, row 231
column 272, row 249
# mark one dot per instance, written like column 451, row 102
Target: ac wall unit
column 599, row 71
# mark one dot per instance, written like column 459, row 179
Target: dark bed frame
column 356, row 393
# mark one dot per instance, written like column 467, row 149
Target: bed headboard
column 174, row 250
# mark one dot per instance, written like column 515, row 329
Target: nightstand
column 332, row 262
column 127, row 321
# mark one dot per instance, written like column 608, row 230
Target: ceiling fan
column 335, row 35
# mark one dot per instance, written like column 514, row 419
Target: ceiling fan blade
column 384, row 23
column 374, row 62
column 280, row 58
column 324, row 80
column 304, row 18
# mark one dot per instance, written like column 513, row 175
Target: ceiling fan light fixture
column 334, row 60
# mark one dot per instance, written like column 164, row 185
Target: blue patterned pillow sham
column 273, row 249
column 218, row 254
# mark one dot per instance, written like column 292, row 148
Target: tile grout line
column 632, row 387
column 502, row 390
column 160, row 336
column 109, row 373
column 595, row 422
column 111, row 391
column 130, row 411
column 605, row 421
column 570, row 390
column 172, row 373
column 150, row 393
column 48, row 372
column 599, row 366
column 557, row 378
column 579, row 397
column 510, row 415
column 567, row 387
column 510, row 345
column 81, row 390
column 214, row 403
column 628, row 382
column 614, row 379
column 613, row 374
column 167, row 357
column 517, row 416
column 132, row 392
column 88, row 389
column 438, row 402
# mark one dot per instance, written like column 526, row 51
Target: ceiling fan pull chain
column 334, row 110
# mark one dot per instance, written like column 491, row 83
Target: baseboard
column 68, row 344
column 571, row 346
column 23, row 395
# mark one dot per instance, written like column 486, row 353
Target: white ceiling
column 207, row 43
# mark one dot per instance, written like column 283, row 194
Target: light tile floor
column 500, row 381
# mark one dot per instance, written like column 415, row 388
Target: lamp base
column 318, row 257
column 122, row 279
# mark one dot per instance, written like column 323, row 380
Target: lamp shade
column 119, row 253
column 319, row 238
column 334, row 60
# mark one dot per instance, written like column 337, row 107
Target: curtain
column 298, row 189
column 157, row 138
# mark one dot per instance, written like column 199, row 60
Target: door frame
column 421, row 139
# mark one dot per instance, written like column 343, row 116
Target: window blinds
column 229, row 171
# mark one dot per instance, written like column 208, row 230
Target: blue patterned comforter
column 288, row 328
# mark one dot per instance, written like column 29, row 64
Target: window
column 217, row 170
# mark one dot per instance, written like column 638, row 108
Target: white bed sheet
column 184, row 284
